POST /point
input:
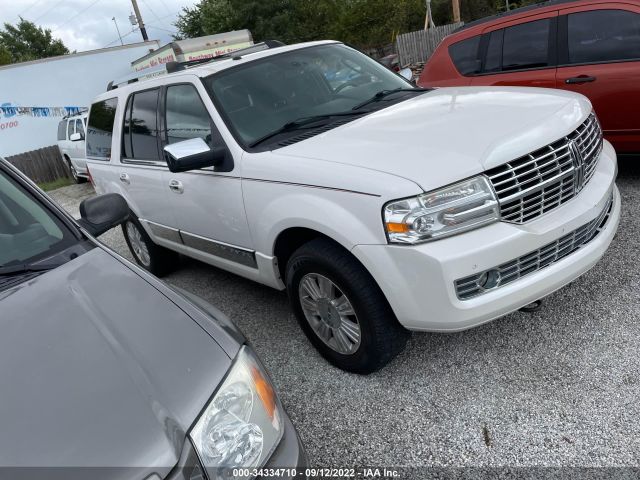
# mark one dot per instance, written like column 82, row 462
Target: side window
column 603, row 36
column 186, row 115
column 62, row 130
column 70, row 128
column 526, row 45
column 79, row 127
column 100, row 129
column 140, row 132
column 465, row 55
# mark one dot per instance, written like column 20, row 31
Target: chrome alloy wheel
column 329, row 313
column 138, row 244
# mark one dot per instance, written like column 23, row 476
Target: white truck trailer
column 35, row 96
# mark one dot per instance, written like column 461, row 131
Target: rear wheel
column 341, row 309
column 153, row 258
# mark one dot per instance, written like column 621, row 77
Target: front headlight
column 450, row 210
column 242, row 425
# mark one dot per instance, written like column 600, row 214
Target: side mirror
column 75, row 137
column 103, row 212
column 406, row 73
column 193, row 154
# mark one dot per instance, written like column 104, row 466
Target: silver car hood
column 99, row 368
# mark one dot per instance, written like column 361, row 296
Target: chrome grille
column 536, row 183
column 469, row 287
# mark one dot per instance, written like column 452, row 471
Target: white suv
column 71, row 139
column 381, row 208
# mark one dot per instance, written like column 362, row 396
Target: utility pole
column 119, row 36
column 507, row 5
column 456, row 10
column 143, row 30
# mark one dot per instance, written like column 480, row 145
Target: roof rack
column 172, row 67
column 515, row 11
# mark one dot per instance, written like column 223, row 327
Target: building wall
column 34, row 96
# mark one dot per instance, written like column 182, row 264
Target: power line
column 47, row 11
column 76, row 15
column 163, row 29
column 28, row 8
column 123, row 36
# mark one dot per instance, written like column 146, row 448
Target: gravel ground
column 559, row 387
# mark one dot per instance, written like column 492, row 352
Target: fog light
column 488, row 280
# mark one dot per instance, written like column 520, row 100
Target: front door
column 207, row 206
column 600, row 58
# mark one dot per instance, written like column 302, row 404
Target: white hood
column 450, row 133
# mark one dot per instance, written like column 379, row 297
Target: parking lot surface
column 559, row 387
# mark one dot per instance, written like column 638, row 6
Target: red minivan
column 586, row 46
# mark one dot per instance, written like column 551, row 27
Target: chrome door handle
column 124, row 178
column 176, row 186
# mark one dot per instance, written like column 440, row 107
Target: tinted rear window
column 465, row 55
column 603, row 36
column 526, row 45
column 100, row 129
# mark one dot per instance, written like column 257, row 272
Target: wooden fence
column 42, row 165
column 417, row 47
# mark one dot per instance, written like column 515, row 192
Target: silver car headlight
column 242, row 425
column 447, row 211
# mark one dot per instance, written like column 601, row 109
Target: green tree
column 26, row 41
column 5, row 55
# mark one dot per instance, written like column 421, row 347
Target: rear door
column 141, row 167
column 599, row 56
column 520, row 52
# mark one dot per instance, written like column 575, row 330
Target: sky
column 87, row 24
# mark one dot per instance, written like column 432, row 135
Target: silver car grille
column 511, row 271
column 537, row 183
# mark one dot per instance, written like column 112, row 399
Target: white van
column 71, row 135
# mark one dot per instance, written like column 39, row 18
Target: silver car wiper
column 20, row 268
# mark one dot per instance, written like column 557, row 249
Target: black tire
column 160, row 261
column 381, row 336
column 74, row 173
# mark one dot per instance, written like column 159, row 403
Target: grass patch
column 59, row 183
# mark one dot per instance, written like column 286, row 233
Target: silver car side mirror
column 75, row 137
column 192, row 154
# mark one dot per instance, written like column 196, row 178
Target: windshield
column 258, row 98
column 28, row 231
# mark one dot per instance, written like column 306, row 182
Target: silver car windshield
column 259, row 97
column 28, row 231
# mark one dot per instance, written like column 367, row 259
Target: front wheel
column 74, row 174
column 341, row 309
column 153, row 258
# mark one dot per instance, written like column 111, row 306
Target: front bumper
column 419, row 281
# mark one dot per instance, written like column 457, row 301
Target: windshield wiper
column 301, row 122
column 385, row 93
column 21, row 268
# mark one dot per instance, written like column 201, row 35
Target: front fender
column 348, row 218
